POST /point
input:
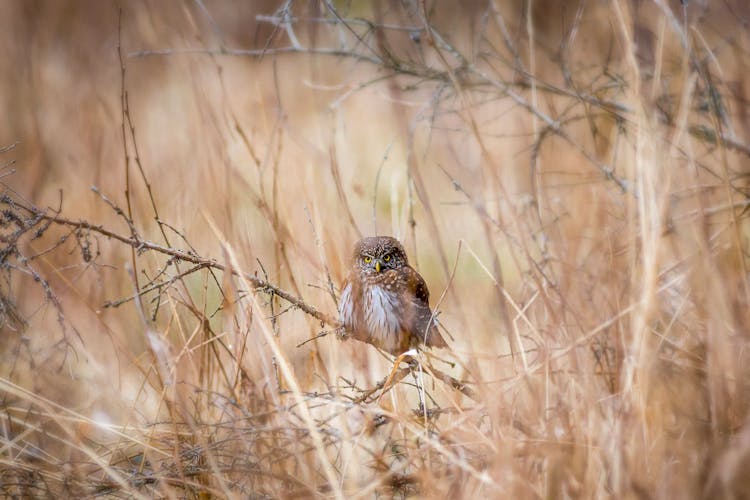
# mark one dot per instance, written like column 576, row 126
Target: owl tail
column 434, row 338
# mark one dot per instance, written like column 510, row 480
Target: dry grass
column 570, row 180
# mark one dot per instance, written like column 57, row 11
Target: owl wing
column 419, row 317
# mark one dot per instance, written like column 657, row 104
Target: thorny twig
column 142, row 245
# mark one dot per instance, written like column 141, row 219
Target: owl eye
column 387, row 258
column 367, row 259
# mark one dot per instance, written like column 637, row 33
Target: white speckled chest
column 382, row 316
column 378, row 318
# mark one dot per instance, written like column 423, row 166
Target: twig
column 396, row 375
column 123, row 114
column 318, row 336
column 154, row 286
column 318, row 243
column 392, row 379
column 142, row 245
column 452, row 382
column 340, row 191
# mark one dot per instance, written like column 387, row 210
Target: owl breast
column 382, row 317
column 373, row 316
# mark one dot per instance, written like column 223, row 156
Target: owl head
column 377, row 254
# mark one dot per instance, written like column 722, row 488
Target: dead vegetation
column 570, row 179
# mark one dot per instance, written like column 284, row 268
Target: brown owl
column 384, row 301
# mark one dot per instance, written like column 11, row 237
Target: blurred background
column 570, row 178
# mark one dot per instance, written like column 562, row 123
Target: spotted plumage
column 384, row 301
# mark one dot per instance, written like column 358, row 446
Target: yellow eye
column 368, row 259
column 387, row 258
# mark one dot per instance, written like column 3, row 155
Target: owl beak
column 377, row 266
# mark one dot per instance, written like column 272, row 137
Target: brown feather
column 384, row 301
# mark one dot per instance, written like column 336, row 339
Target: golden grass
column 570, row 183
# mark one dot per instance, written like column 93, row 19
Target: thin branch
column 140, row 245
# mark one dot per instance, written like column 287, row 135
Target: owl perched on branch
column 384, row 301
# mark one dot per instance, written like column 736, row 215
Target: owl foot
column 411, row 358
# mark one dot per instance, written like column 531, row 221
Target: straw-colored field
column 184, row 184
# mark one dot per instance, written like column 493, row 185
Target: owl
column 385, row 302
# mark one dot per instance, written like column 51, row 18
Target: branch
column 141, row 245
